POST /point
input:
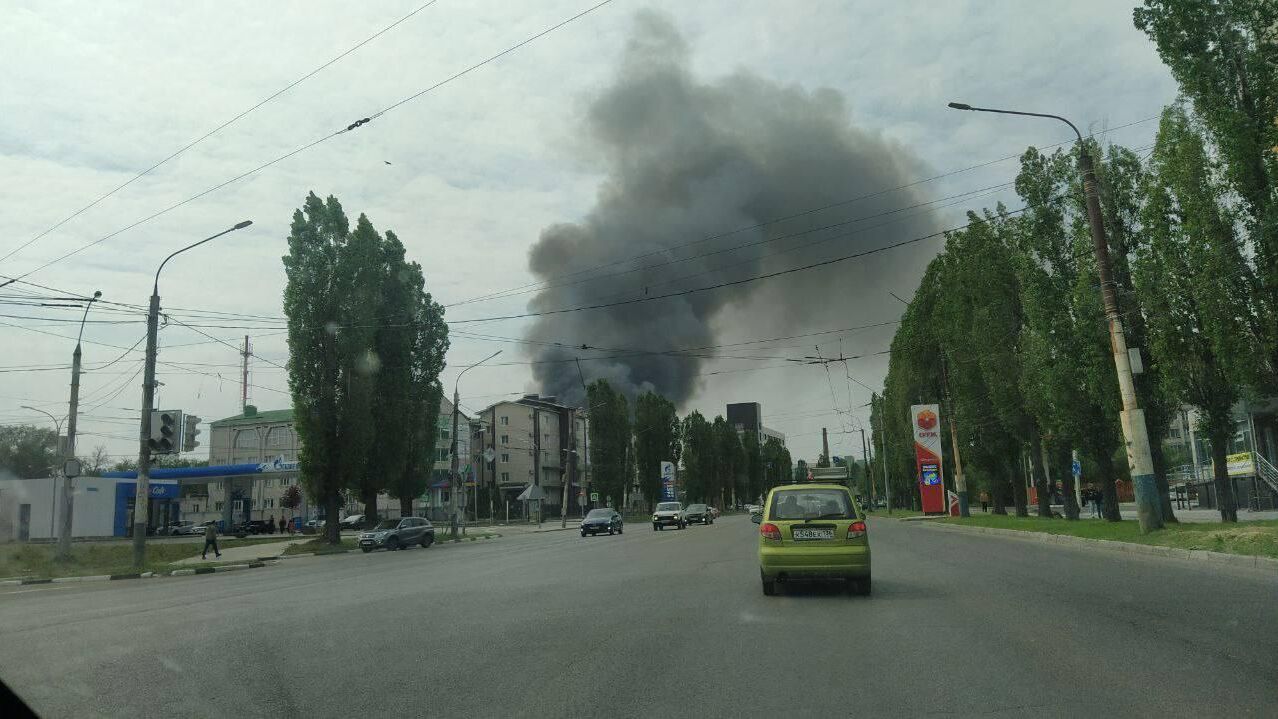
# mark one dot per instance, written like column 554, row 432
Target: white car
column 352, row 522
column 182, row 527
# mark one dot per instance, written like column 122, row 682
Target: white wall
column 93, row 514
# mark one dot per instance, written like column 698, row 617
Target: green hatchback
column 813, row 532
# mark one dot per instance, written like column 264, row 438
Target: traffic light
column 164, row 431
column 190, row 429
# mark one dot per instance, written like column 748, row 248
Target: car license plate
column 802, row 533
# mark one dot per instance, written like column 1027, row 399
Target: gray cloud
column 687, row 159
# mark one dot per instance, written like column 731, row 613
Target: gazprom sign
column 668, row 481
column 277, row 465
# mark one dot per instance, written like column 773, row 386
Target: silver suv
column 398, row 534
column 668, row 514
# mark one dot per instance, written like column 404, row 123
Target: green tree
column 609, row 440
column 1223, row 54
column 729, row 463
column 696, row 479
column 426, row 335
column 314, row 307
column 291, row 498
column 1191, row 277
column 753, row 466
column 656, row 441
column 27, row 451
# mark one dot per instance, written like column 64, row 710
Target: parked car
column 598, row 521
column 697, row 514
column 813, row 532
column 668, row 514
column 261, row 526
column 398, row 534
column 355, row 521
column 314, row 526
column 178, row 528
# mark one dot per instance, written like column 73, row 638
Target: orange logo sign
column 926, row 419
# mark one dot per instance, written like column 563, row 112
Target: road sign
column 1077, row 468
column 594, row 496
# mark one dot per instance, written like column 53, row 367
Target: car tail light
column 856, row 530
column 770, row 531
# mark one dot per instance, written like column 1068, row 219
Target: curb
column 213, row 570
column 1249, row 561
column 66, row 580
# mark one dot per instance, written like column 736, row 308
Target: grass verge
column 39, row 560
column 321, row 546
column 1250, row 538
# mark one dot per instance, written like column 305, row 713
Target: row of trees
column 366, row 346
column 1007, row 326
column 717, row 465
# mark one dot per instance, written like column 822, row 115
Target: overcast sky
column 96, row 92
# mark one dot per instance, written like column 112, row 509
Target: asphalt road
column 649, row 623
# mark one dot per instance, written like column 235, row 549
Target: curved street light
column 454, row 479
column 141, row 502
column 1148, row 504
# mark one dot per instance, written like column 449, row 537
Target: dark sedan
column 599, row 521
column 699, row 514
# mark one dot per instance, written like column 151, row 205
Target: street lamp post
column 68, row 492
column 1148, row 508
column 142, row 495
column 57, row 424
column 454, row 479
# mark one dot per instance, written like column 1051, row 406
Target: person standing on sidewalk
column 985, row 501
column 210, row 540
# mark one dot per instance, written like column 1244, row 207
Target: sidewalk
column 247, row 553
column 1128, row 510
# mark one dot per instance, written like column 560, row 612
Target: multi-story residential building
column 533, row 441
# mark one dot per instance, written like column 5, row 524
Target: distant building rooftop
column 252, row 415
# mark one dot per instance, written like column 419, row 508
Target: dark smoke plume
column 685, row 160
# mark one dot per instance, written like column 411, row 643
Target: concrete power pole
column 68, row 492
column 887, row 486
column 825, row 446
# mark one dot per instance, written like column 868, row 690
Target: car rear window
column 600, row 513
column 812, row 504
column 696, row 508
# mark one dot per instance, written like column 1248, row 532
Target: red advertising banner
column 926, row 420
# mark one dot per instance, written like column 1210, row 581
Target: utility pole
column 960, row 482
column 865, row 464
column 454, row 480
column 141, row 503
column 569, row 455
column 244, row 358
column 887, row 486
column 1149, row 509
column 68, row 492
column 585, row 438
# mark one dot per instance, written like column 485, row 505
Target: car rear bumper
column 791, row 562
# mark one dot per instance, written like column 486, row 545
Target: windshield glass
column 696, row 507
column 812, row 504
column 599, row 513
column 388, row 524
column 668, row 507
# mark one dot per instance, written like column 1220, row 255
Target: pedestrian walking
column 1098, row 497
column 985, row 501
column 270, row 524
column 283, row 525
column 210, row 540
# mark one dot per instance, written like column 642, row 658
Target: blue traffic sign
column 1077, row 468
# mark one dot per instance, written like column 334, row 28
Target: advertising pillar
column 926, row 420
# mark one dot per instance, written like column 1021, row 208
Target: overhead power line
column 215, row 130
column 354, row 125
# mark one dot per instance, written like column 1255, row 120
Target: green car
column 813, row 532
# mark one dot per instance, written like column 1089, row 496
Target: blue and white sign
column 1077, row 468
column 668, row 481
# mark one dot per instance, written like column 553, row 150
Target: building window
column 505, row 458
column 217, row 506
column 505, row 439
column 505, row 420
column 445, row 432
column 279, row 438
column 246, row 439
column 441, row 454
column 505, row 476
column 270, row 482
column 195, row 508
column 268, row 503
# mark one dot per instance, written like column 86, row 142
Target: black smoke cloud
column 684, row 160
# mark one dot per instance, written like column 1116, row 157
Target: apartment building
column 534, row 440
